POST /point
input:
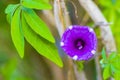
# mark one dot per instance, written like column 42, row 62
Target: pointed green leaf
column 113, row 69
column 103, row 63
column 114, row 60
column 9, row 18
column 116, row 76
column 11, row 8
column 16, row 33
column 44, row 47
column 104, row 54
column 10, row 11
column 79, row 65
column 46, row 1
column 38, row 25
column 106, row 72
column 36, row 4
column 112, row 56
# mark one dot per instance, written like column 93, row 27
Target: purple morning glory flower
column 79, row 42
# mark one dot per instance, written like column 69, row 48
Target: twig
column 49, row 17
column 60, row 24
column 98, row 69
column 85, row 19
column 58, row 17
column 65, row 14
column 80, row 75
column 97, row 16
column 57, row 72
column 70, row 74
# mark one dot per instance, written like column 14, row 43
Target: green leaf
column 106, row 3
column 79, row 65
column 104, row 54
column 38, row 25
column 114, row 60
column 36, row 4
column 16, row 33
column 117, row 76
column 11, row 8
column 112, row 67
column 106, row 72
column 44, row 47
column 9, row 18
column 112, row 56
column 46, row 1
column 10, row 11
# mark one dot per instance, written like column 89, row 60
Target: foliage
column 10, row 11
column 36, row 4
column 110, row 65
column 80, row 65
column 30, row 30
column 17, row 33
column 37, row 24
column 25, row 23
column 10, row 71
column 111, row 10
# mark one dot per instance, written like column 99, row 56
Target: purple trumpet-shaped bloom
column 79, row 42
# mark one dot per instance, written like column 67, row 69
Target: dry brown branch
column 98, row 69
column 97, row 16
column 63, row 21
column 106, row 34
column 80, row 75
column 85, row 19
column 49, row 17
column 59, row 17
column 60, row 24
column 56, row 71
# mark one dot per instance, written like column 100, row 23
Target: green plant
column 26, row 24
column 110, row 65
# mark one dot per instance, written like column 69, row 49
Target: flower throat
column 79, row 44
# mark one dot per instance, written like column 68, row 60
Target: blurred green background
column 111, row 10
column 34, row 66
column 12, row 67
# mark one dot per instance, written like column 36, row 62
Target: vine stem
column 62, row 22
column 106, row 34
column 97, row 16
column 60, row 25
